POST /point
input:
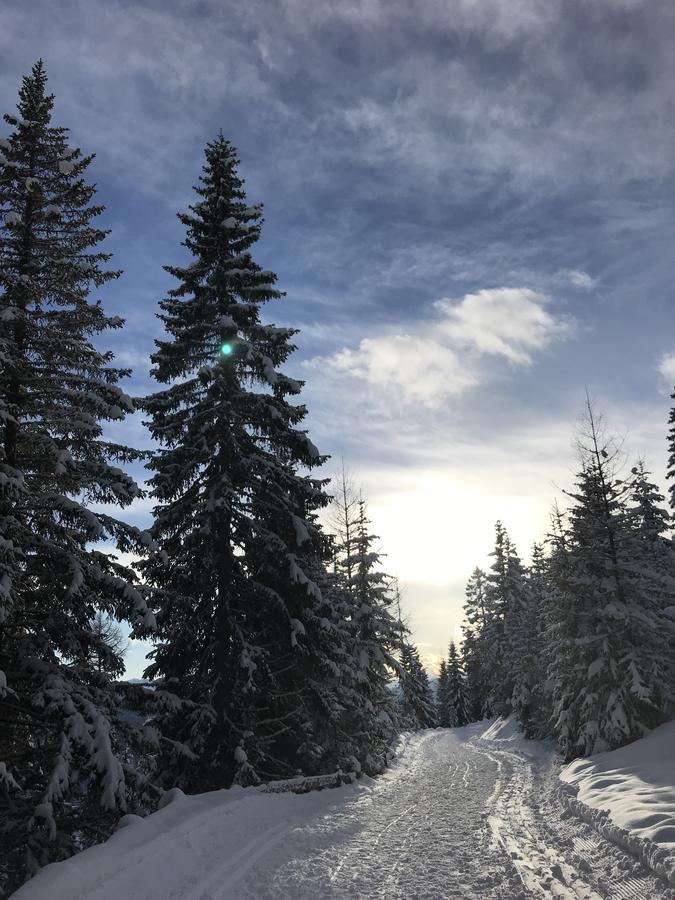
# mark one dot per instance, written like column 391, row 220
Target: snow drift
column 629, row 794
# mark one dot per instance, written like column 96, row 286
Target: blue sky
column 468, row 202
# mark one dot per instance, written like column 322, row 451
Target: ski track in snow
column 455, row 819
column 452, row 818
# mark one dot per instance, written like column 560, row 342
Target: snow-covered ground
column 629, row 794
column 462, row 813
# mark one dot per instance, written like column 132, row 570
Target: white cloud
column 419, row 366
column 666, row 367
column 508, row 322
column 442, row 358
column 580, row 279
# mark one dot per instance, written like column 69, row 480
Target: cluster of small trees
column 273, row 643
column 580, row 645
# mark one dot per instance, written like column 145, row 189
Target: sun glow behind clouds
column 437, row 525
column 433, row 522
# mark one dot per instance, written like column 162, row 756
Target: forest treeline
column 580, row 644
column 274, row 640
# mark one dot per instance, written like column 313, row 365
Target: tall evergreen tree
column 417, row 706
column 649, row 519
column 535, row 715
column 523, row 634
column 502, row 648
column 504, row 631
column 458, row 707
column 557, row 613
column 650, row 546
column 251, row 643
column 442, row 696
column 477, row 653
column 417, row 700
column 670, row 472
column 376, row 636
column 62, row 771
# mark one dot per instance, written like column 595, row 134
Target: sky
column 469, row 204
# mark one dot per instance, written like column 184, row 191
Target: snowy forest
column 280, row 648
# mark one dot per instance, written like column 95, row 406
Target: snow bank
column 161, row 855
column 629, row 794
column 89, row 873
column 506, row 734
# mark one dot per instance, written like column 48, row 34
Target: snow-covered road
column 452, row 818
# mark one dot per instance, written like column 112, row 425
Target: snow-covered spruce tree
column 499, row 589
column 458, row 707
column 670, row 473
column 560, row 637
column 477, row 653
column 63, row 778
column 319, row 679
column 376, row 637
column 649, row 518
column 506, row 630
column 418, row 709
column 523, row 634
column 416, row 703
column 499, row 682
column 340, row 689
column 535, row 716
column 250, row 644
column 612, row 674
column 651, row 542
column 442, row 696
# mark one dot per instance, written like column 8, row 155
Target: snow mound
column 629, row 796
column 634, row 784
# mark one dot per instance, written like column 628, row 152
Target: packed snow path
column 452, row 818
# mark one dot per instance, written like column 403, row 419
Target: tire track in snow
column 455, row 819
column 420, row 832
column 532, row 822
column 542, row 869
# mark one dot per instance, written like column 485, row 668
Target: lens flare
column 226, row 349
